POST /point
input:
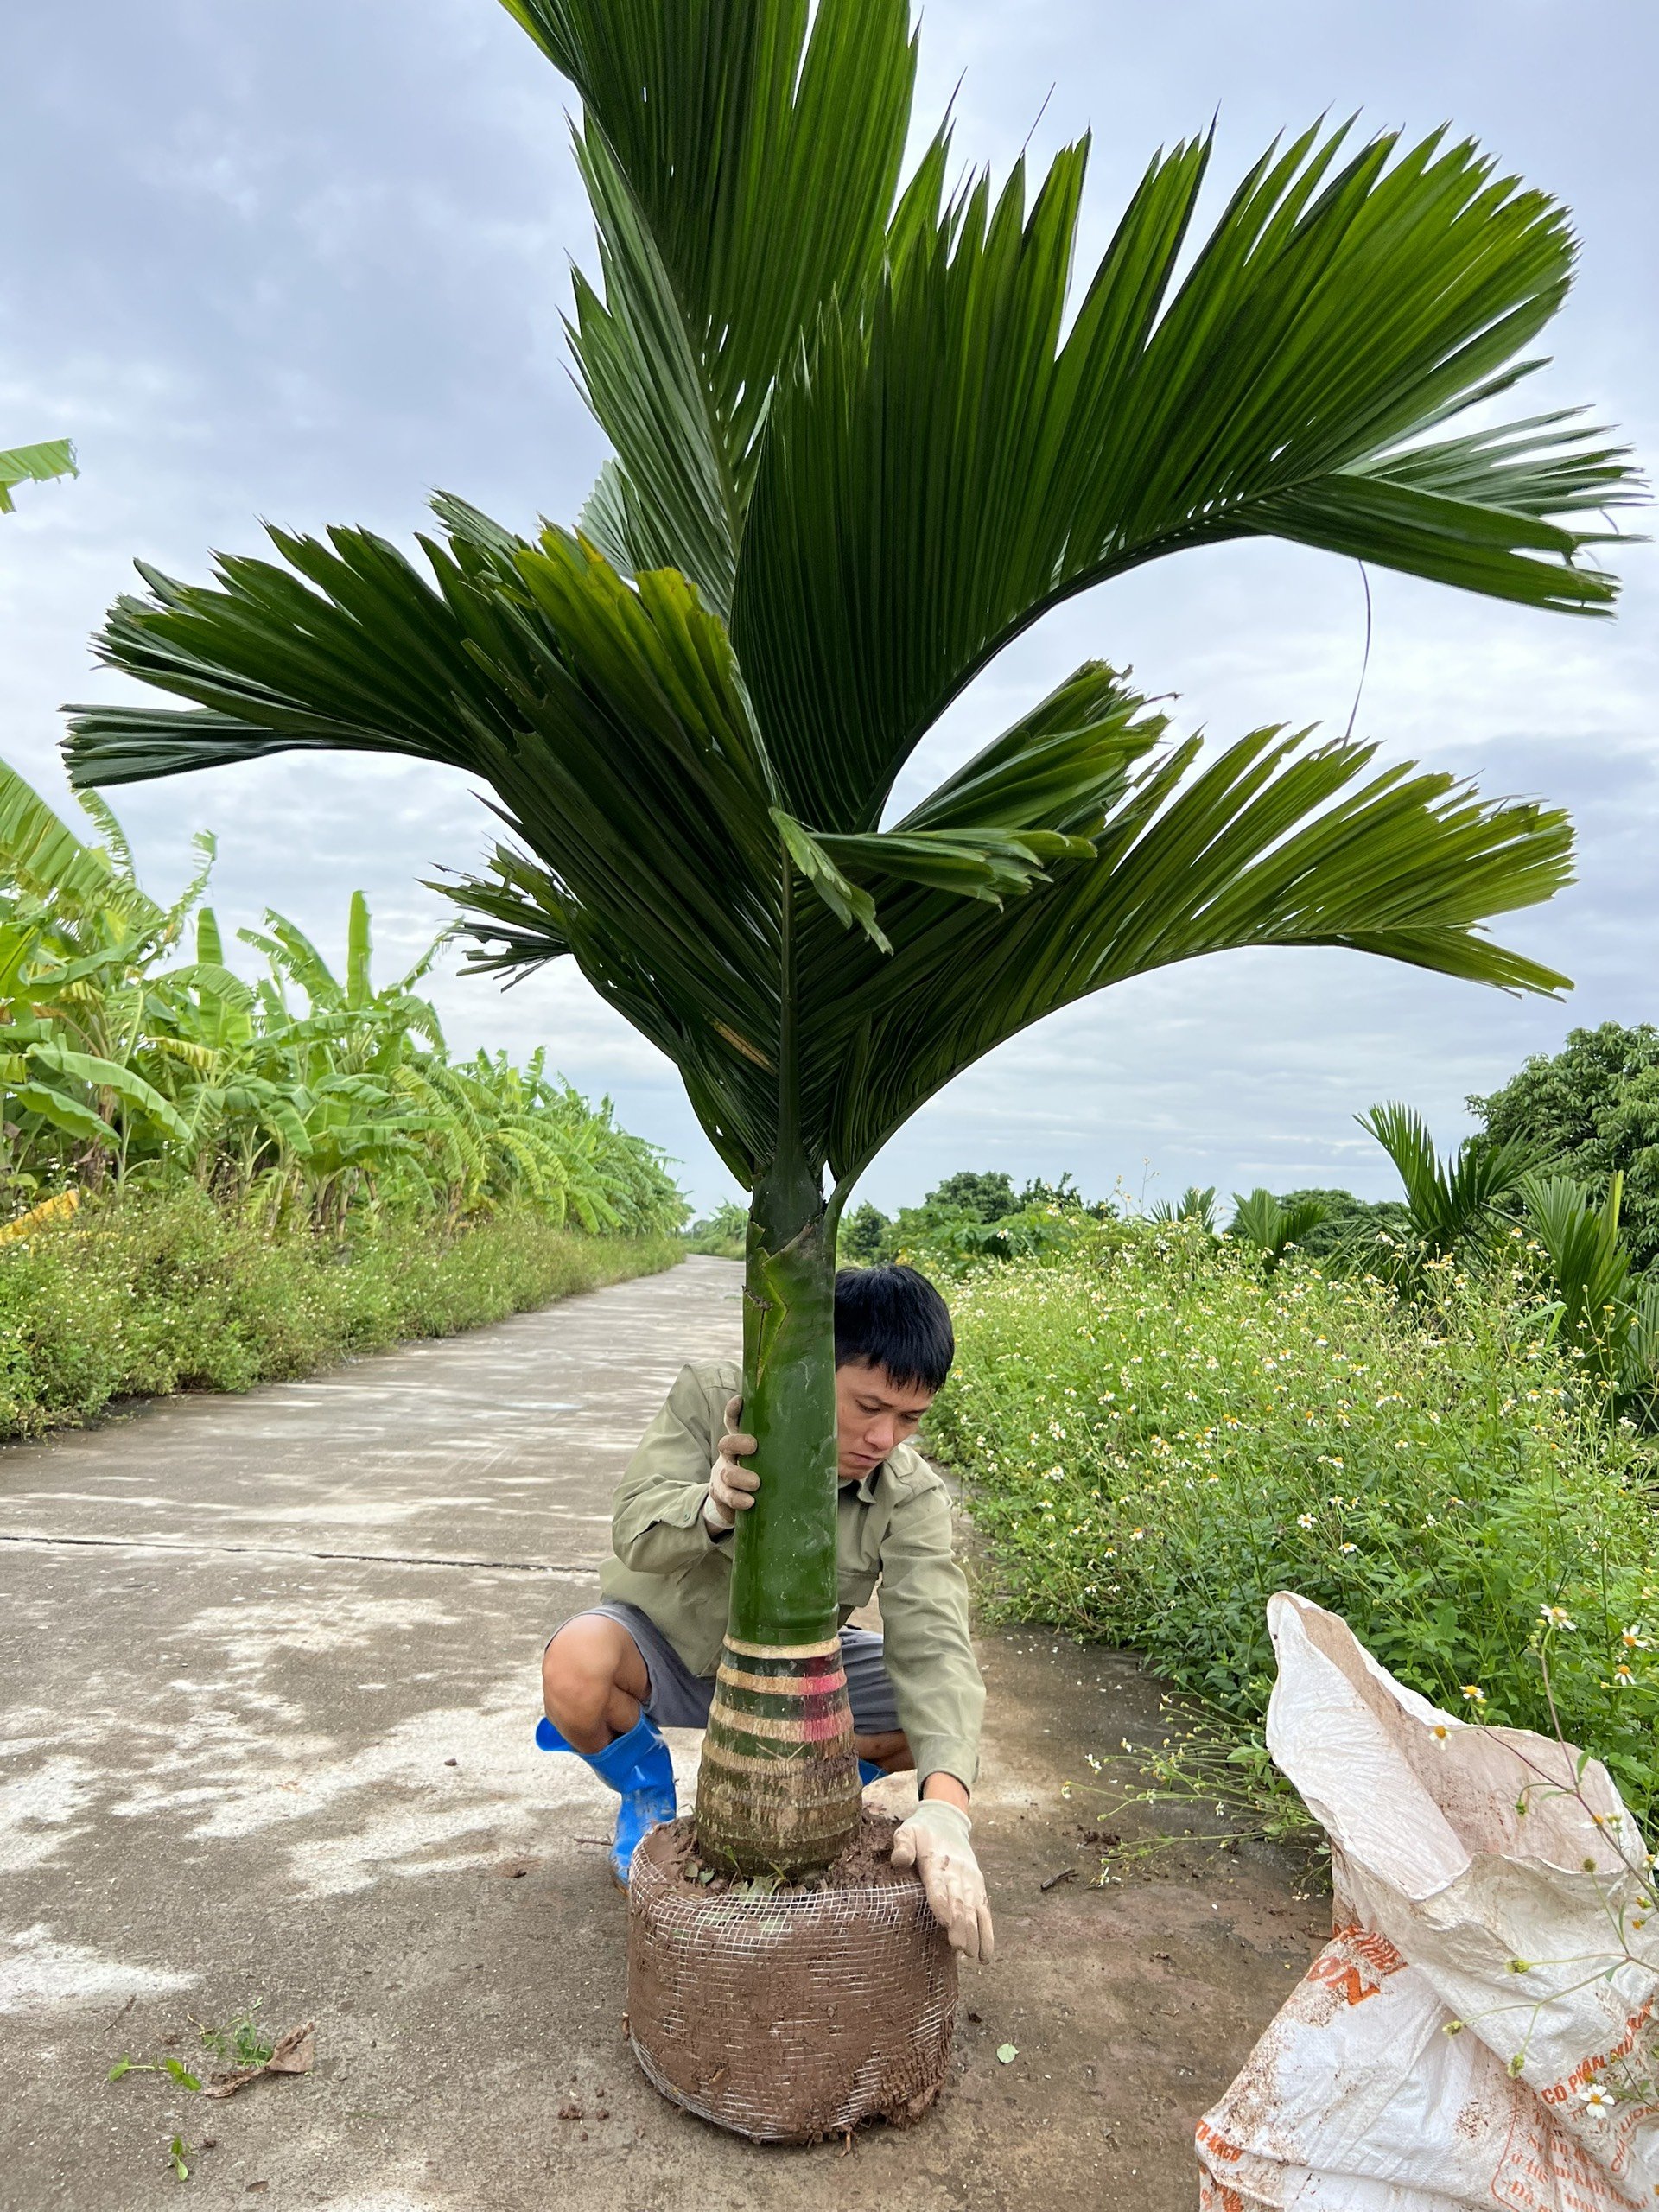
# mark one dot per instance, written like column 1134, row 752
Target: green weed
column 1213, row 1768
column 239, row 2045
column 174, row 2069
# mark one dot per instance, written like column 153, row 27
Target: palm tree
column 862, row 442
column 1259, row 1220
column 1607, row 1313
column 1453, row 1203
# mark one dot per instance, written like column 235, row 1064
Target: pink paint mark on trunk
column 821, row 1728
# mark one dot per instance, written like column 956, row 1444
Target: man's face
column 873, row 1414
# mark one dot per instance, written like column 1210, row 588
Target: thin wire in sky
column 1365, row 657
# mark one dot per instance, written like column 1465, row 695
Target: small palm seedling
column 1271, row 1226
column 1454, row 1203
column 1195, row 1206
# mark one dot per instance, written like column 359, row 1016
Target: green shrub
column 723, row 1234
column 1155, row 1440
column 986, row 1196
column 1349, row 1224
column 971, row 1215
column 152, row 1291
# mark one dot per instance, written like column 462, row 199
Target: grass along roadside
column 1153, row 1440
column 151, row 1292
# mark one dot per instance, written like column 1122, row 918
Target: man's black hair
column 894, row 1318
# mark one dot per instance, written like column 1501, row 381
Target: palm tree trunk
column 778, row 1791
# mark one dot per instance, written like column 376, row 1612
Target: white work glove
column 935, row 1841
column 731, row 1488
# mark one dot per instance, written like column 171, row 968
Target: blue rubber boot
column 637, row 1766
column 868, row 1773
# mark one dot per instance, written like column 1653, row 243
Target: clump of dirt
column 867, row 1863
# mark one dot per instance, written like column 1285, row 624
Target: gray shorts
column 675, row 1698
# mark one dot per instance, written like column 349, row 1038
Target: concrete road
column 269, row 1674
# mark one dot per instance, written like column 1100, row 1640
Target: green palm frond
column 1272, row 1227
column 986, row 461
column 1451, row 1201
column 1278, row 841
column 1060, row 767
column 513, row 914
column 987, row 864
column 1601, row 1303
column 1194, row 1205
column 875, row 428
column 751, row 184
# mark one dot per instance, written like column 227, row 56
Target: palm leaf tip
column 742, row 158
column 512, row 915
column 110, row 745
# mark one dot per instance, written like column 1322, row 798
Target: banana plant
column 331, row 1088
column 375, row 1021
column 112, row 1062
column 496, row 1129
column 77, row 940
column 36, row 464
column 864, row 436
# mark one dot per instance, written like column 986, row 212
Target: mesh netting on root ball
column 792, row 2016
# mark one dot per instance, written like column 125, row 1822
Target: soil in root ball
column 867, row 1863
column 789, row 2011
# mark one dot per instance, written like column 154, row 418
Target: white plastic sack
column 1356, row 2098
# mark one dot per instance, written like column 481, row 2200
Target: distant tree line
column 1561, row 1179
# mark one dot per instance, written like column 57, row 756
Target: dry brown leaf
column 293, row 2053
column 296, row 2052
column 226, row 2085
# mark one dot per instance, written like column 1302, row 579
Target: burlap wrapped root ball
column 790, row 2015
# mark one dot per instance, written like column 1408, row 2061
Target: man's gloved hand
column 935, row 1841
column 731, row 1488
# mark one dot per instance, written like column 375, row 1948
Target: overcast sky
column 305, row 260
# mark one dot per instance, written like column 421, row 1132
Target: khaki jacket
column 894, row 1524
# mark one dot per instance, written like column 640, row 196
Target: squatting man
column 644, row 1658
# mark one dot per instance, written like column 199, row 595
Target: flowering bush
column 1154, row 1439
